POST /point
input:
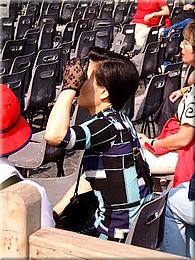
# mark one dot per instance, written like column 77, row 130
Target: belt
column 125, row 206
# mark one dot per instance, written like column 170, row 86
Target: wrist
column 75, row 89
column 182, row 91
column 66, row 96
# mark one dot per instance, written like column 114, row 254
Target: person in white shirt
column 15, row 133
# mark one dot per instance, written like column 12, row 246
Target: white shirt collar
column 7, row 169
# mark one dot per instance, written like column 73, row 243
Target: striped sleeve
column 97, row 134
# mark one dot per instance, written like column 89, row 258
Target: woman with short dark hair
column 108, row 139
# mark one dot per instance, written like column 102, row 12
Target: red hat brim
column 16, row 138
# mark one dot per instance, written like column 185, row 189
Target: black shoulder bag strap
column 74, row 199
column 10, row 181
column 141, row 166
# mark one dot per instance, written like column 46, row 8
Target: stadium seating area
column 39, row 37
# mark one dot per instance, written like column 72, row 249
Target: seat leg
column 143, row 127
column 60, row 162
column 153, row 126
column 145, row 83
column 60, row 170
column 45, row 117
column 30, row 118
column 42, row 122
column 148, row 126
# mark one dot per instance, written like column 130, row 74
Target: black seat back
column 42, row 86
column 102, row 38
column 66, row 12
column 13, row 48
column 106, row 11
column 33, row 9
column 128, row 108
column 81, row 26
column 7, row 30
column 5, row 66
column 154, row 95
column 15, row 82
column 91, row 12
column 65, row 54
column 174, row 78
column 152, row 36
column 46, row 18
column 130, row 12
column 161, row 53
column 99, row 23
column 47, row 34
column 50, row 55
column 31, row 44
column 78, row 13
column 118, row 13
column 21, row 63
column 173, row 44
column 85, row 42
column 24, row 24
column 150, row 59
column 146, row 229
column 129, row 31
column 54, row 9
column 68, row 32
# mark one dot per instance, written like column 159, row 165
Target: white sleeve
column 186, row 108
column 46, row 208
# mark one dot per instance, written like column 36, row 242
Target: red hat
column 14, row 129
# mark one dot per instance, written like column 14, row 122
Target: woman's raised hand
column 74, row 75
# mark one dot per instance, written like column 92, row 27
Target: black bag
column 78, row 212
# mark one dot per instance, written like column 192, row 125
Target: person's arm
column 182, row 138
column 173, row 142
column 164, row 11
column 84, row 186
column 59, row 119
column 175, row 95
column 188, row 7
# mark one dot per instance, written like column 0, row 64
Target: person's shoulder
column 7, row 170
column 40, row 188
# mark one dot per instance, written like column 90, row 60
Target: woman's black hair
column 118, row 74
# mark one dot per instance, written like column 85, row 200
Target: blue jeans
column 181, row 24
column 179, row 230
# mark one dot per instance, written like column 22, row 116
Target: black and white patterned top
column 109, row 167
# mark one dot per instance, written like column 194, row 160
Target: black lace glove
column 74, row 75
